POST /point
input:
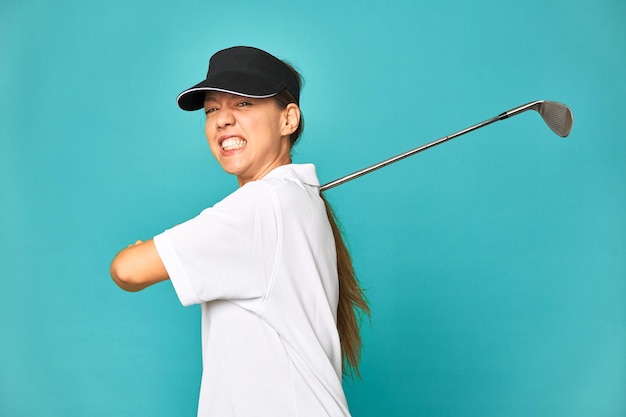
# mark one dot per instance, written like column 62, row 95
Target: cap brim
column 232, row 83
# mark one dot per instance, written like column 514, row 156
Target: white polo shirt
column 262, row 264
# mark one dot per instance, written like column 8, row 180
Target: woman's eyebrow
column 215, row 95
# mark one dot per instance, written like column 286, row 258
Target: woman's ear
column 291, row 119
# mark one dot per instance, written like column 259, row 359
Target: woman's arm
column 138, row 266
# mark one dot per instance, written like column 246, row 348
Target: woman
column 279, row 299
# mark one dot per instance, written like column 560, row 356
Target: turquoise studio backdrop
column 495, row 264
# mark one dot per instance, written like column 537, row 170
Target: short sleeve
column 227, row 252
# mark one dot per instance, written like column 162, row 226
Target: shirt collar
column 305, row 173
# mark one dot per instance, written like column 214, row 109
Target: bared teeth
column 233, row 143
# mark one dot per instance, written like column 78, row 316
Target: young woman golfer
column 280, row 302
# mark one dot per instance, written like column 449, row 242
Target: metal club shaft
column 556, row 115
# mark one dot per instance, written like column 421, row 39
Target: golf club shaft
column 419, row 149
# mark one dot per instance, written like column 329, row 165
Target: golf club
column 557, row 116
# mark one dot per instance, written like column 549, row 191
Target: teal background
column 495, row 264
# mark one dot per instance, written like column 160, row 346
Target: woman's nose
column 225, row 117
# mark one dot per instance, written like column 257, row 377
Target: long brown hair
column 352, row 301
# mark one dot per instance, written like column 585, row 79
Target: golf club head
column 557, row 116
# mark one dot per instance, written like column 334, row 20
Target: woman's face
column 248, row 136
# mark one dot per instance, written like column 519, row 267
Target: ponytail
column 352, row 301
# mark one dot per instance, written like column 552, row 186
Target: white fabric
column 262, row 264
